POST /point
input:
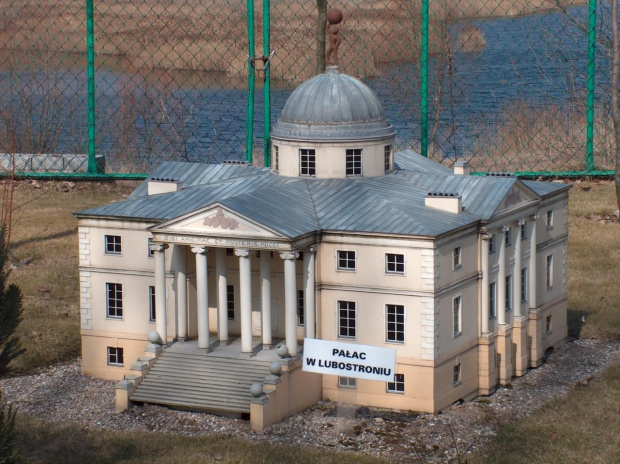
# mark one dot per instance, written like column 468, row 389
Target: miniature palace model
column 191, row 285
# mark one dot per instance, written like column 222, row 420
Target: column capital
column 535, row 216
column 521, row 222
column 199, row 249
column 242, row 252
column 158, row 246
column 505, row 228
column 311, row 249
column 485, row 236
column 289, row 254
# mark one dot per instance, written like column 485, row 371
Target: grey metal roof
column 390, row 204
column 332, row 106
column 411, row 161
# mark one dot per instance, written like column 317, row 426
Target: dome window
column 276, row 158
column 388, row 157
column 307, row 164
column 354, row 162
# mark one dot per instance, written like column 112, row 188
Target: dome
column 333, row 107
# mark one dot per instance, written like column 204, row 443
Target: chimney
column 462, row 168
column 159, row 185
column 450, row 202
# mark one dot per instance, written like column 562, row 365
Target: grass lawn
column 583, row 427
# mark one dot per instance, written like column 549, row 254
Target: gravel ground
column 60, row 394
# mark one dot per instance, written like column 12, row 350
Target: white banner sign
column 349, row 360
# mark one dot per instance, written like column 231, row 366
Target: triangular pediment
column 518, row 196
column 216, row 220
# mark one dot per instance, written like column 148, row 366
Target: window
column 387, row 155
column 456, row 258
column 347, row 382
column 152, row 312
column 398, row 386
column 354, row 162
column 395, row 323
column 507, row 237
column 346, row 260
column 115, row 300
column 300, row 307
column 548, row 324
column 150, row 253
column 346, row 319
column 230, row 302
column 456, row 316
column 276, row 160
column 115, row 356
column 524, row 230
column 492, row 244
column 508, row 292
column 394, row 264
column 549, row 272
column 549, row 219
column 307, row 165
column 456, row 375
column 492, row 306
column 229, row 252
column 113, row 244
column 524, row 285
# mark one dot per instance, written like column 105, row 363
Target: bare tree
column 615, row 110
column 321, row 6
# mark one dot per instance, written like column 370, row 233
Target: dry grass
column 44, row 234
column 211, row 35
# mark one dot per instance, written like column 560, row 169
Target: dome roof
column 332, row 106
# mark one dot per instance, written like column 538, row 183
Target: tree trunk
column 321, row 6
column 615, row 110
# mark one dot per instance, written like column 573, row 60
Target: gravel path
column 60, row 394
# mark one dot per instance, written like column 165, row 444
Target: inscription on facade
column 224, row 242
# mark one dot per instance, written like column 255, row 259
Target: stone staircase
column 201, row 382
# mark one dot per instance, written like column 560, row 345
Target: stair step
column 202, row 406
column 211, row 388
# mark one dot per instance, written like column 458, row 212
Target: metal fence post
column 424, row 81
column 90, row 45
column 249, row 138
column 589, row 165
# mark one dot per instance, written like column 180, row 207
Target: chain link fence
column 507, row 79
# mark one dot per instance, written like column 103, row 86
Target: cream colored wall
column 331, row 157
column 469, row 258
column 469, row 318
column 95, row 354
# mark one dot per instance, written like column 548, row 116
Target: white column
column 245, row 293
column 222, row 294
column 290, row 300
column 484, row 294
column 160, row 290
column 309, row 279
column 182, row 292
column 532, row 269
column 516, row 274
column 501, row 278
column 265, row 293
column 202, row 296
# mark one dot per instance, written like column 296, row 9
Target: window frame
column 456, row 375
column 110, row 245
column 509, row 298
column 349, row 329
column 549, row 219
column 397, row 386
column 549, row 272
column 230, row 302
column 387, row 158
column 117, row 307
column 492, row 300
column 116, row 352
column 309, row 165
column 150, row 253
column 347, row 259
column 300, row 308
column 276, row 158
column 524, row 289
column 457, row 257
column 349, row 383
column 457, row 316
column 548, row 324
column 152, row 304
column 394, row 263
column 353, row 162
column 524, row 230
column 508, row 237
column 397, row 333
column 492, row 247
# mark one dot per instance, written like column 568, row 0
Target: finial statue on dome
column 334, row 17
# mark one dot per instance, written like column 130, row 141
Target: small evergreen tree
column 8, row 453
column 10, row 309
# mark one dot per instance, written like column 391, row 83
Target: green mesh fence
column 507, row 80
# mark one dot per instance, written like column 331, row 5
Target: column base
column 535, row 334
column 487, row 374
column 504, row 354
column 520, row 348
